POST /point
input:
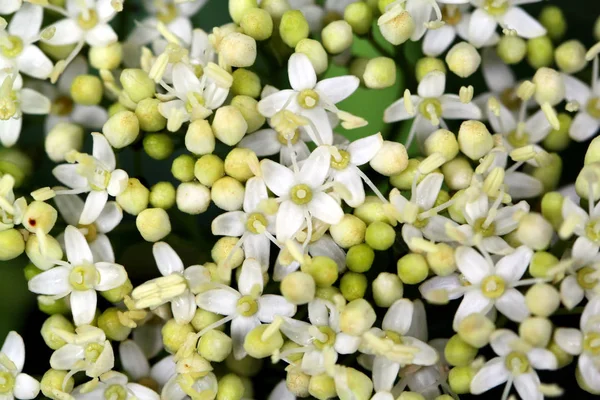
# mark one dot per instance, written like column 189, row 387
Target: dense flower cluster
column 326, row 250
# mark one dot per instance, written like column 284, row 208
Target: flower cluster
column 326, row 256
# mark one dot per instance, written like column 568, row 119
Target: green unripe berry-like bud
column 350, row 231
column 391, row 159
column 383, row 4
column 372, row 210
column 229, row 125
column 404, row 179
column 322, row 387
column 183, row 168
column 215, row 346
column 380, row 236
column 153, row 224
column 475, row 330
column 540, row 52
column 353, row 285
column 257, row 23
column 174, row 335
column 275, row 8
column 536, row 331
column 460, row 379
column 162, row 195
column 360, row 17
column 396, row 25
column 30, row 271
column 246, row 82
column 117, row 294
column 426, row 65
column 315, row 52
column 39, row 215
column 224, row 246
column 534, row 231
column 228, row 194
column 106, row 57
column 570, row 56
column 559, row 139
column 380, row 72
column 199, row 138
column 511, row 49
column 592, row 154
column 247, row 366
column 541, row 263
column 337, row 37
column 463, row 59
column 552, row 208
column 134, row 199
column 412, row 268
column 158, row 146
column 137, row 84
column 330, row 293
column 15, row 163
column 293, row 27
column 358, row 66
column 87, row 90
column 358, row 384
column 474, row 139
column 260, row 345
column 542, row 299
column 52, row 252
column 458, row 352
column 149, row 118
column 237, row 163
column 360, row 258
column 238, row 50
column 50, row 306
column 298, row 287
column 121, row 129
column 297, row 383
column 588, row 182
column 116, row 108
column 442, row 261
column 442, row 142
column 54, row 383
column 231, row 387
column 553, row 19
column 387, row 288
column 238, row 8
column 357, row 317
column 192, row 198
column 203, row 318
column 410, row 396
column 61, row 139
column 249, row 109
column 49, row 328
column 109, row 322
column 323, row 270
column 549, row 86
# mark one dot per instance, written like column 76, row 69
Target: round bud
column 229, row 125
column 360, row 257
column 460, row 379
column 542, row 299
column 536, row 331
column 249, row 109
column 463, row 59
column 215, row 346
column 553, row 19
column 391, row 159
column 153, row 224
column 115, row 108
column 258, row 345
column 48, row 305
column 134, row 199
column 110, row 323
column 426, row 65
column 237, row 163
column 183, row 168
column 39, row 215
column 121, row 129
column 360, row 17
column 511, row 49
column 456, row 210
column 257, row 23
column 162, row 195
column 238, row 8
column 238, row 50
column 275, row 8
column 534, row 231
column 592, row 154
column 87, row 90
column 52, row 251
column 337, row 37
column 358, row 384
column 54, row 382
column 350, row 231
column 570, row 57
column 540, row 52
column 297, row 383
column 228, row 194
column 49, row 327
column 293, row 27
column 441, row 261
column 137, row 84
column 549, row 86
column 117, row 294
column 459, row 353
column 380, row 236
column 410, row 396
column 476, row 329
column 246, row 82
column 387, row 288
column 559, row 139
column 442, row 142
column 404, row 179
column 396, row 25
column 322, row 387
column 15, row 163
column 106, row 57
column 357, row 317
column 323, row 270
column 199, row 138
column 357, row 67
column 588, row 182
column 353, row 285
column 203, row 318
column 541, row 263
column 61, row 139
column 174, row 335
column 380, row 72
column 298, row 288
column 372, row 210
column 149, row 118
column 231, row 387
column 474, row 139
column 192, row 198
column 315, row 52
column 412, row 268
column 552, row 208
column 158, row 146
column 221, row 250
column 31, row 271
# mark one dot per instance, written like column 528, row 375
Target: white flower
column 456, row 17
column 180, row 386
column 587, row 121
column 11, row 210
column 581, row 223
column 500, row 80
column 115, row 385
column 10, row 6
column 491, row 13
column 247, row 308
column 16, row 44
column 96, row 174
column 135, row 364
column 80, row 277
column 15, row 384
column 430, row 107
column 516, row 365
column 309, row 98
column 421, row 10
column 302, row 193
column 268, row 142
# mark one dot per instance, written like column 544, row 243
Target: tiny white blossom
column 115, row 385
column 587, row 121
column 15, row 384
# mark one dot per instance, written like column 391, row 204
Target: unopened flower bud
column 55, row 384
column 298, row 287
column 536, row 331
column 356, row 385
column 275, row 8
column 117, row 294
column 404, row 179
column 174, row 335
column 153, row 224
column 261, row 341
column 322, row 387
column 570, row 56
column 360, row 17
column 149, row 118
column 51, row 325
column 115, row 108
column 249, row 109
column 549, row 86
column 373, row 210
column 87, row 90
column 192, row 198
column 426, row 65
column 238, row 8
column 52, row 251
column 215, row 346
column 337, row 37
column 238, row 163
column 323, row 270
column 315, row 52
column 474, row 139
column 222, row 249
column 134, row 199
column 588, row 182
column 246, row 82
column 559, row 139
column 541, row 263
column 293, row 27
column 353, row 285
column 199, row 138
column 458, row 352
column 106, row 57
column 460, row 379
column 297, row 383
column 391, row 159
column 183, row 168
column 380, row 236
column 552, row 208
column 357, row 317
column 203, row 318
column 511, row 49
column 158, row 146
column 227, row 194
column 443, row 142
column 442, row 261
column 349, row 231
column 61, row 139
column 231, row 387
column 257, row 23
column 15, row 163
column 463, row 59
column 562, row 356
column 387, row 288
column 380, row 72
column 553, row 19
column 238, row 50
column 412, row 268
column 542, row 299
column 162, row 195
column 357, row 67
column 540, row 52
column 534, row 231
column 458, row 173
column 121, row 129
column 475, row 330
column 49, row 305
column 39, row 215
column 229, row 125
column 396, row 25
column 110, row 323
column 359, row 258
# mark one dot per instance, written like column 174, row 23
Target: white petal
column 26, row 387
column 569, row 207
column 281, row 392
column 220, row 301
column 289, row 220
column 279, row 179
column 273, row 103
column 301, row 72
column 319, row 131
column 523, row 186
column 584, row 126
column 432, row 85
column 590, row 314
column 91, row 117
column 14, row 349
column 105, row 10
column 103, row 151
column 397, row 110
column 134, row 360
column 10, row 130
column 569, row 339
column 437, row 41
column 418, row 324
column 496, row 245
column 512, row 305
column 270, row 305
column 263, row 142
column 542, row 359
column 66, row 357
column 163, row 370
column 476, row 209
column 449, row 283
column 498, row 76
column 251, row 278
column 66, row 174
column 318, row 312
column 453, row 108
column 481, row 27
column 576, row 90
column 385, row 373
column 346, row 344
column 513, row 266
column 421, row 13
column 184, row 80
column 537, row 126
column 297, row 331
column 240, row 327
column 104, row 363
column 111, row 275
column 67, row 32
column 571, row 293
column 9, row 6
column 427, row 355
column 33, row 102
column 503, row 341
column 94, row 204
column 259, row 248
column 364, row 149
column 182, row 28
column 527, row 386
column 398, row 317
column 315, row 168
column 83, row 306
column 118, row 182
column 54, row 282
column 526, row 26
column 338, row 88
column 70, row 207
column 353, row 183
column 428, row 190
column 78, row 251
column 325, row 208
column 183, row 307
column 110, row 217
column 167, row 260
column 473, row 302
column 491, row 375
column 229, row 224
column 142, row 392
column 255, row 193
column 101, row 35
column 472, row 264
column 506, row 221
column 33, row 62
column 589, row 371
column 149, row 338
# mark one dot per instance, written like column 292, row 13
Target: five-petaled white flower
column 115, row 385
column 14, row 383
column 587, row 121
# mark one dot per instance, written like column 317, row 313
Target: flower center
column 83, row 277
column 393, row 336
column 87, row 19
column 327, row 338
column 593, row 107
column 586, row 278
column 291, row 136
column 420, row 223
column 62, row 106
column 509, row 98
column 88, row 167
column 592, row 230
column 301, row 194
column 493, row 286
column 451, row 14
column 591, row 343
column 11, row 46
column 431, row 109
column 517, row 363
column 342, row 162
column 91, row 232
column 194, row 100
column 256, row 223
column 167, row 13
column 247, row 306
column 115, row 392
column 8, row 107
column 485, row 231
column 93, row 351
column 308, row 99
column 495, row 7
column 7, row 382
column 517, row 139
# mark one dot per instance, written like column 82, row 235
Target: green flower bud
column 337, row 37
column 174, row 335
column 162, row 195
column 39, row 215
column 540, row 52
column 559, row 139
column 61, row 139
column 426, row 65
column 562, row 356
column 238, row 50
column 534, row 231
column 199, row 138
column 458, row 352
column 106, row 57
column 49, row 306
column 260, row 343
column 380, row 72
column 442, row 142
column 463, row 59
column 237, row 163
column 275, row 8
column 588, row 178
column 372, row 210
column 110, row 323
column 323, row 270
column 183, row 168
column 396, row 25
column 53, row 384
column 297, row 383
column 511, row 49
column 353, row 285
column 246, row 82
column 412, row 268
column 456, row 209
column 541, row 263
column 238, row 8
column 228, row 194
column 542, row 299
column 552, row 208
column 247, row 366
column 298, row 288
column 158, row 146
column 115, row 108
column 322, row 387
column 404, row 179
column 229, row 125
column 134, row 199
column 391, row 159
column 45, row 261
column 149, row 118
column 592, row 154
column 153, row 224
column 441, row 261
column 249, row 109
column 474, row 139
column 117, row 294
column 357, row 317
column 203, row 318
column 410, row 396
column 553, row 19
column 460, row 379
column 293, row 27
column 350, row 231
column 387, row 288
column 257, row 23
column 358, row 66
column 330, row 293
column 121, row 129
column 359, row 385
column 30, row 271
column 315, row 52
column 360, row 17
column 549, row 86
column 475, row 330
column 49, row 327
column 137, row 84
column 444, row 397
column 16, row 163
column 380, row 236
column 360, row 257
column 87, row 90
column 536, row 331
column 224, row 246
column 231, row 387
column 570, row 56
column 192, row 198
column 215, row 346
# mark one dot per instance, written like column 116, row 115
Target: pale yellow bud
column 458, row 173
column 238, row 50
column 240, row 163
column 229, row 125
column 441, row 261
column 87, row 90
column 391, row 159
column 349, row 231
column 39, row 215
column 443, row 142
column 249, row 109
column 199, row 138
column 228, row 194
column 536, row 331
column 121, row 129
column 337, row 37
column 387, row 288
column 476, row 329
column 237, row 8
column 396, row 25
column 192, row 198
column 357, row 317
column 380, row 73
column 588, row 182
column 542, row 299
column 298, row 287
column 463, row 59
column 474, row 139
column 315, row 52
column 47, row 259
column 534, row 231
column 134, row 199
column 107, row 57
column 570, row 57
column 549, row 86
column 12, row 244
column 222, row 249
column 297, row 383
column 63, row 138
column 153, row 224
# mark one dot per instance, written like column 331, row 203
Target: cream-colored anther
column 350, row 121
column 423, row 245
column 593, row 52
column 221, row 77
column 466, row 94
column 572, row 106
column 524, row 153
column 159, row 291
column 408, row 104
column 431, row 163
column 272, row 329
column 494, row 106
column 43, row 194
column 166, row 33
column 551, row 115
column 526, row 90
column 493, row 182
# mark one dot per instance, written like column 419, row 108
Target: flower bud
column 360, row 257
column 443, row 142
column 203, row 318
column 442, row 261
column 237, row 163
column 456, row 209
column 86, row 90
column 315, row 52
column 257, row 23
column 475, row 330
column 460, row 379
column 293, row 27
column 229, row 125
column 459, row 353
column 387, row 288
column 297, row 383
column 357, row 67
column 275, row 8
column 260, row 343
column 249, row 109
column 106, row 57
column 238, row 50
column 183, row 168
column 298, row 287
column 396, row 25
column 134, row 199
column 570, row 56
column 15, row 163
column 238, row 8
column 540, row 52
column 562, row 356
column 357, row 317
column 406, row 395
column 61, row 139
column 553, row 19
column 149, row 118
column 227, row 194
column 404, row 179
column 380, row 72
column 247, row 366
column 360, row 17
column 121, row 129
column 39, row 215
column 426, row 65
column 474, row 139
column 49, row 327
column 110, row 323
column 412, row 268
column 391, row 159
column 559, row 139
column 534, row 231
column 246, row 82
column 30, row 271
column 158, row 146
column 372, row 210
column 52, row 252
column 192, row 198
column 174, row 335
column 162, row 195
column 536, row 331
column 153, row 224
column 215, row 346
column 542, row 299
column 353, row 285
column 115, row 108
column 224, row 246
column 552, row 208
column 231, row 387
column 549, row 86
column 117, row 294
column 323, row 270
column 463, row 59
column 322, row 387
column 541, row 263
column 337, row 37
column 356, row 385
column 588, row 182
column 349, row 231
column 54, row 384
column 511, row 49
column 380, row 236
column 199, row 138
